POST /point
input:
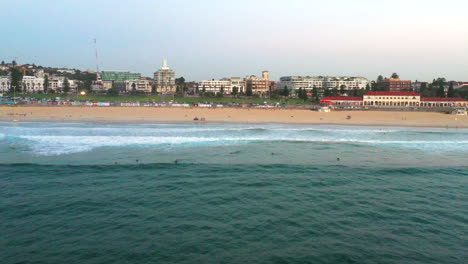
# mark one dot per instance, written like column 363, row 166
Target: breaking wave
column 58, row 139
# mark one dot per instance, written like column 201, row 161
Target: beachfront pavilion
column 443, row 102
column 392, row 98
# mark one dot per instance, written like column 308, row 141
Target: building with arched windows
column 32, row 84
column 392, row 99
column 395, row 99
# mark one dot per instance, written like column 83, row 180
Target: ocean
column 232, row 193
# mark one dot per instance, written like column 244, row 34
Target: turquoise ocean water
column 239, row 193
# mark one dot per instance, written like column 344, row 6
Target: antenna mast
column 98, row 77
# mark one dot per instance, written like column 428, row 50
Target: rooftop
column 341, row 98
column 442, row 99
column 392, row 93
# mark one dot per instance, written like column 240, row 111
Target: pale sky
column 205, row 39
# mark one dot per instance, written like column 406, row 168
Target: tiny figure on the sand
column 195, row 119
column 348, row 117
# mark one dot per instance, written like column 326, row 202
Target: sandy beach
column 231, row 115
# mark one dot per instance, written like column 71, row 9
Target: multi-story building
column 119, row 76
column 258, row 85
column 308, row 83
column 236, row 82
column 215, row 86
column 393, row 84
column 142, row 85
column 103, row 86
column 5, row 84
column 32, row 84
column 164, row 79
column 346, row 83
column 294, row 83
column 57, row 83
column 394, row 99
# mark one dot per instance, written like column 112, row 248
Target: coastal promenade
column 228, row 115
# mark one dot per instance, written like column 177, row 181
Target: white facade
column 164, row 79
column 215, row 86
column 142, row 85
column 392, row 99
column 56, row 83
column 236, row 82
column 32, row 84
column 294, row 83
column 5, row 83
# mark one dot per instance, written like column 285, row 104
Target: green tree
column 113, row 91
column 395, row 76
column 88, row 85
column 3, row 63
column 315, row 94
column 16, row 79
column 451, row 91
column 66, row 85
column 423, row 87
column 134, row 90
column 441, row 91
column 248, row 91
column 285, row 91
column 335, row 91
column 235, row 90
column 46, row 83
column 299, row 93
column 380, row 78
column 342, row 89
column 181, row 85
column 368, row 87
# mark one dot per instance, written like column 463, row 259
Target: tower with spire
column 164, row 79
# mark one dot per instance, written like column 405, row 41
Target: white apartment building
column 142, row 85
column 294, row 83
column 164, row 79
column 57, row 82
column 5, row 83
column 215, row 86
column 236, row 82
column 32, row 84
column 348, row 83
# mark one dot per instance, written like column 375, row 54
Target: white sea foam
column 56, row 145
column 58, row 139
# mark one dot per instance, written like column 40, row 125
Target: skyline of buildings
column 164, row 81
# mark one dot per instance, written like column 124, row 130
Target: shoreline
column 148, row 115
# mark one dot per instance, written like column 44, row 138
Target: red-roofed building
column 443, row 102
column 395, row 99
column 342, row 100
